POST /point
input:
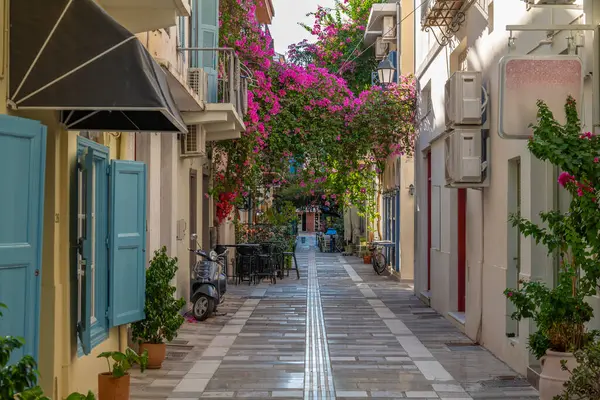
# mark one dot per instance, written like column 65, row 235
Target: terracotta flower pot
column 110, row 388
column 367, row 259
column 156, row 354
column 553, row 377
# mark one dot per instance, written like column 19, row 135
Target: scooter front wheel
column 203, row 307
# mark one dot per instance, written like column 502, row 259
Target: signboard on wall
column 526, row 79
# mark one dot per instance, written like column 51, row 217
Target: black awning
column 70, row 55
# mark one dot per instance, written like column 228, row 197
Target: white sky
column 285, row 29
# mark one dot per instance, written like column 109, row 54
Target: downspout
column 479, row 335
column 398, row 40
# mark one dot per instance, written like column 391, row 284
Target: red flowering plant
column 339, row 33
column 307, row 115
column 561, row 312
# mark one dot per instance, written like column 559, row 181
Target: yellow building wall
column 62, row 371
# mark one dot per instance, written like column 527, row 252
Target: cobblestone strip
column 442, row 382
column 318, row 376
column 196, row 380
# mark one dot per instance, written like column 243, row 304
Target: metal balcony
column 219, row 78
column 440, row 13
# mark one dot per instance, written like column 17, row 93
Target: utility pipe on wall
column 398, row 40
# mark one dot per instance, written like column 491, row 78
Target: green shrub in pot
column 163, row 311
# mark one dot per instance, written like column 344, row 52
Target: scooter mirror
column 194, row 236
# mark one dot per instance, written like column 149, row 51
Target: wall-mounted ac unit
column 381, row 49
column 198, row 81
column 389, row 29
column 463, row 98
column 193, row 144
column 463, row 154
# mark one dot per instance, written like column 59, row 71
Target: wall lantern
column 385, row 72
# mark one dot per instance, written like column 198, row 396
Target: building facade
column 466, row 252
column 104, row 138
column 390, row 30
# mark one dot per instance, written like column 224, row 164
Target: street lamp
column 385, row 72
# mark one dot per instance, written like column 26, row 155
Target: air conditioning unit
column 381, row 49
column 198, row 81
column 193, row 144
column 463, row 154
column 463, row 99
column 389, row 29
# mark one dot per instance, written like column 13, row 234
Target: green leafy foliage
column 584, row 383
column 561, row 313
column 122, row 362
column 163, row 318
column 20, row 376
column 36, row 393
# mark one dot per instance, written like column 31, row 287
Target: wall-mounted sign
column 525, row 79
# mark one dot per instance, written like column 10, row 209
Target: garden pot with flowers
column 162, row 309
column 561, row 312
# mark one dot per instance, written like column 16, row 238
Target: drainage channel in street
column 318, row 376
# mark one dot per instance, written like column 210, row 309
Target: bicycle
column 378, row 259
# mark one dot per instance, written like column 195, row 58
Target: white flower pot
column 553, row 378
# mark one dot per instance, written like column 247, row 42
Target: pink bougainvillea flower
column 564, row 178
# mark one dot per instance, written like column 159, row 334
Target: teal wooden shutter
column 84, row 269
column 127, row 242
column 205, row 34
column 22, row 166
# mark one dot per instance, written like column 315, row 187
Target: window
column 92, row 199
column 181, row 42
column 109, row 244
column 513, row 270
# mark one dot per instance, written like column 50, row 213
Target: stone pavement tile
column 218, row 395
column 287, row 393
column 423, row 394
column 351, row 393
column 381, row 342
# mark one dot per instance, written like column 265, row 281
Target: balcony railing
column 219, row 73
column 440, row 13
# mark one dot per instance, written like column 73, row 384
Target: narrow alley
column 339, row 332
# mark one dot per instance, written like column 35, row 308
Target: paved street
column 340, row 332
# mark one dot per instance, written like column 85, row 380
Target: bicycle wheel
column 380, row 263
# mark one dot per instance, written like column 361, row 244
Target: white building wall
column 488, row 254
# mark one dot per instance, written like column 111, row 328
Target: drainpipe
column 398, row 39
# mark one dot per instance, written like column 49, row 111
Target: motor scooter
column 208, row 282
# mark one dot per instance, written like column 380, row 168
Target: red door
column 310, row 222
column 462, row 248
column 429, row 221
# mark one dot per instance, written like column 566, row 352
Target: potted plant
column 561, row 312
column 163, row 318
column 114, row 384
column 584, row 380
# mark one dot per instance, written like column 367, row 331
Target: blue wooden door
column 22, row 165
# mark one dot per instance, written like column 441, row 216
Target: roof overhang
column 184, row 96
column 146, row 15
column 375, row 24
column 220, row 121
